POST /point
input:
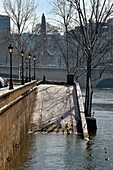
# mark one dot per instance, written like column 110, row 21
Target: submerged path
column 55, row 110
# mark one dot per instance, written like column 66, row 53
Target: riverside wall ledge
column 81, row 115
column 16, row 107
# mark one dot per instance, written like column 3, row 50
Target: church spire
column 43, row 25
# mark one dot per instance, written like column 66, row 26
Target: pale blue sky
column 43, row 7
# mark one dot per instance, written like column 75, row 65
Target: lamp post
column 34, row 58
column 10, row 52
column 29, row 56
column 22, row 56
column 26, row 79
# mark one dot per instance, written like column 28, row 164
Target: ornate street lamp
column 22, row 56
column 34, row 58
column 29, row 56
column 10, row 52
column 26, row 79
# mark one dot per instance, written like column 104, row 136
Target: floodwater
column 70, row 152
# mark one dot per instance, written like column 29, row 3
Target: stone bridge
column 60, row 74
column 105, row 81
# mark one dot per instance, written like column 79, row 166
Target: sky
column 43, row 7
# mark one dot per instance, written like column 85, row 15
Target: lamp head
column 22, row 53
column 26, row 59
column 29, row 55
column 10, row 48
column 34, row 57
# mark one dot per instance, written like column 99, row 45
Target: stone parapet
column 10, row 95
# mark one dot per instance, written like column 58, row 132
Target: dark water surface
column 70, row 152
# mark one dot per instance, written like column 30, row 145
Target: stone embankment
column 16, row 107
column 55, row 110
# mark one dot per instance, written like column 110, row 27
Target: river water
column 69, row 152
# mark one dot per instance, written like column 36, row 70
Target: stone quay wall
column 16, row 107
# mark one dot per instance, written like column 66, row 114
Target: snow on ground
column 54, row 109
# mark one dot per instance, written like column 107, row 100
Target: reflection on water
column 70, row 152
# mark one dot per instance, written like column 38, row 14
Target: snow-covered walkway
column 54, row 109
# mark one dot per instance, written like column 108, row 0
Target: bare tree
column 65, row 13
column 90, row 19
column 23, row 19
column 94, row 44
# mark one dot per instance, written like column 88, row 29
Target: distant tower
column 43, row 25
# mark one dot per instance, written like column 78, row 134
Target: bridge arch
column 105, row 83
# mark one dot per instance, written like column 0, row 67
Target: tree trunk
column 88, row 97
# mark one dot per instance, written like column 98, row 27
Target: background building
column 4, row 24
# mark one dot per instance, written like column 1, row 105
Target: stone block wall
column 16, row 107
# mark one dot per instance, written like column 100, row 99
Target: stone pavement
column 54, row 110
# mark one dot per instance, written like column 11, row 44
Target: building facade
column 4, row 24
